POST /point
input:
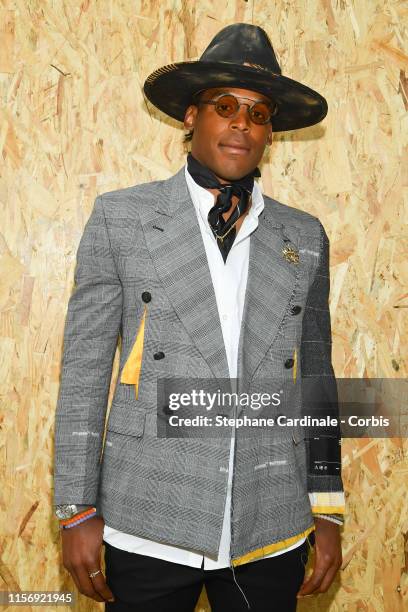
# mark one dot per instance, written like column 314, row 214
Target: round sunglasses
column 227, row 105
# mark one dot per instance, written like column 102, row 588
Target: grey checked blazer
column 146, row 238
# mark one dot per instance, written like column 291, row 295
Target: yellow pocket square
column 133, row 365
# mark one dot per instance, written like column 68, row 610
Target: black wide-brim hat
column 240, row 55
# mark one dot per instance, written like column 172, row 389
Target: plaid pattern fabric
column 146, row 238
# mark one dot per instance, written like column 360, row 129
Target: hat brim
column 171, row 88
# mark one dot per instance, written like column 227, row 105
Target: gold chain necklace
column 221, row 238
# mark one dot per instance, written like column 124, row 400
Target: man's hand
column 81, row 554
column 327, row 560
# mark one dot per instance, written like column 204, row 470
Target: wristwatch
column 67, row 511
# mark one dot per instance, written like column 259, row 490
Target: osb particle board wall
column 74, row 123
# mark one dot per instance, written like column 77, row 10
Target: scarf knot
column 224, row 231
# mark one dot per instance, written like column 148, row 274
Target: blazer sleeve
column 91, row 332
column 319, row 388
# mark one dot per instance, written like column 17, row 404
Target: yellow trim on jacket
column 328, row 510
column 270, row 548
column 294, row 365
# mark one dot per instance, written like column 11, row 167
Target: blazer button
column 158, row 355
column 295, row 310
column 146, row 296
column 289, row 363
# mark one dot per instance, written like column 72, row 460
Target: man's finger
column 322, row 565
column 312, row 583
column 99, row 584
column 86, row 584
column 328, row 579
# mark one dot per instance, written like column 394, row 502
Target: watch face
column 65, row 512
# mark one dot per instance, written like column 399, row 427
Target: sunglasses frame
column 272, row 106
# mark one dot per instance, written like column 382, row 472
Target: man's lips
column 234, row 147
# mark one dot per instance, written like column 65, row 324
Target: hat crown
column 245, row 44
column 241, row 56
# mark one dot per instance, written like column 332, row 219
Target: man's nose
column 242, row 119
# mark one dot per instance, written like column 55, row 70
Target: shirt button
column 224, row 317
column 146, row 296
column 289, row 363
column 158, row 355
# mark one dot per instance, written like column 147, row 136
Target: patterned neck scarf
column 224, row 231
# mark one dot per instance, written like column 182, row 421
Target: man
column 202, row 276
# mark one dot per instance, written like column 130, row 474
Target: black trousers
column 145, row 584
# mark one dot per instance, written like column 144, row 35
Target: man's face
column 230, row 147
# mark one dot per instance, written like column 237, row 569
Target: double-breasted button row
column 146, row 297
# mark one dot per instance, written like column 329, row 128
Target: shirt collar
column 203, row 201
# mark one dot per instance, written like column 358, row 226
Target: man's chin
column 232, row 175
column 227, row 171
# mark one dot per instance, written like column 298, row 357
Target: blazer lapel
column 176, row 246
column 271, row 280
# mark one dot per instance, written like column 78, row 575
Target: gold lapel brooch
column 291, row 254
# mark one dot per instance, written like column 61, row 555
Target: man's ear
column 190, row 116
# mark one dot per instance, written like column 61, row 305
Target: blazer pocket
column 130, row 423
column 132, row 368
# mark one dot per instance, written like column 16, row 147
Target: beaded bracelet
column 78, row 518
column 78, row 515
column 77, row 521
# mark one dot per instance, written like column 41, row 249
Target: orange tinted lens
column 260, row 113
column 226, row 106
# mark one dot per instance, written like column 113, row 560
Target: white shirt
column 229, row 281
